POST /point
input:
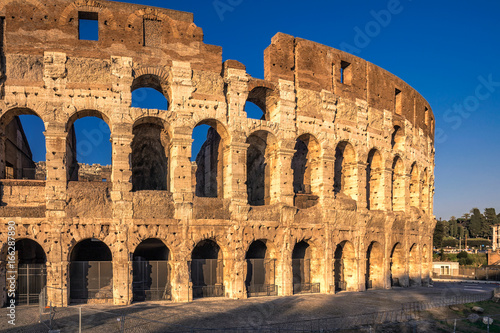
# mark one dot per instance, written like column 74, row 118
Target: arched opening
column 305, row 165
column 206, row 270
column 31, row 261
column 414, row 186
column 414, row 268
column 149, row 98
column 91, row 272
column 397, row 138
column 301, row 269
column 398, row 189
column 344, row 267
column 260, row 276
column 425, row 191
column 23, row 145
column 88, row 147
column 151, row 273
column 149, row 92
column 259, row 159
column 397, row 266
column 346, row 175
column 374, row 184
column 208, row 159
column 374, row 277
column 256, row 104
column 150, row 156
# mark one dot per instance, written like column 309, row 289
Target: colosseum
column 331, row 190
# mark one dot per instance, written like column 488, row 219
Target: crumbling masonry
column 332, row 190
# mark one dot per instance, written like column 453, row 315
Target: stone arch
column 209, row 172
column 260, row 161
column 151, row 271
column 207, row 269
column 414, row 265
column 374, row 276
column 397, row 138
column 150, row 155
column 260, row 95
column 397, row 266
column 151, row 77
column 345, row 267
column 398, row 189
column 72, row 165
column 70, row 13
column 374, row 181
column 16, row 160
column 260, row 269
column 305, row 164
column 306, row 266
column 90, row 271
column 346, row 170
column 414, row 186
column 425, row 203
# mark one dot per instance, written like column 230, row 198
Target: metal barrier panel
column 260, row 277
column 91, row 280
column 306, row 288
column 31, row 279
column 206, row 278
column 151, row 280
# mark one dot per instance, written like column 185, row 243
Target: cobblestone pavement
column 246, row 315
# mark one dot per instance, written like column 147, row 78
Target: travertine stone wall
column 364, row 207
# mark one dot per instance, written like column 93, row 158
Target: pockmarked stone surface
column 332, row 189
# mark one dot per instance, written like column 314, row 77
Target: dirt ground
column 311, row 313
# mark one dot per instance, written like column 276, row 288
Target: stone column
column 235, row 158
column 55, row 189
column 281, row 189
column 121, row 174
column 2, row 152
column 180, row 176
column 326, row 173
column 362, row 185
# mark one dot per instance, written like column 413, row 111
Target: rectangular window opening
column 345, row 72
column 397, row 101
column 426, row 116
column 88, row 26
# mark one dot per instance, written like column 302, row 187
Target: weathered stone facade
column 338, row 174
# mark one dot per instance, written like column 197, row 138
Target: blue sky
column 447, row 50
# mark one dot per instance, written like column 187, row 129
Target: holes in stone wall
column 152, row 32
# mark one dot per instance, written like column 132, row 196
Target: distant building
column 446, row 268
column 494, row 253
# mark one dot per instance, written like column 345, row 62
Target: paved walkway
column 219, row 313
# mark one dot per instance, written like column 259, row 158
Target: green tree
column 438, row 234
column 476, row 222
column 490, row 218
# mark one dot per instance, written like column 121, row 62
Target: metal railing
column 262, row 290
column 208, row 291
column 306, row 288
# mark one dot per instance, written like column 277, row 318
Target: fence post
column 80, row 319
column 123, row 324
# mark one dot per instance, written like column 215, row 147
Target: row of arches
column 91, row 269
column 151, row 164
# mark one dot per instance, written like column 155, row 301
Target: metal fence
column 206, row 275
column 31, row 279
column 91, row 280
column 151, row 281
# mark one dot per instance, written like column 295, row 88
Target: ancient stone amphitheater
column 330, row 191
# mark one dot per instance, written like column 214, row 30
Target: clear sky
column 449, row 51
